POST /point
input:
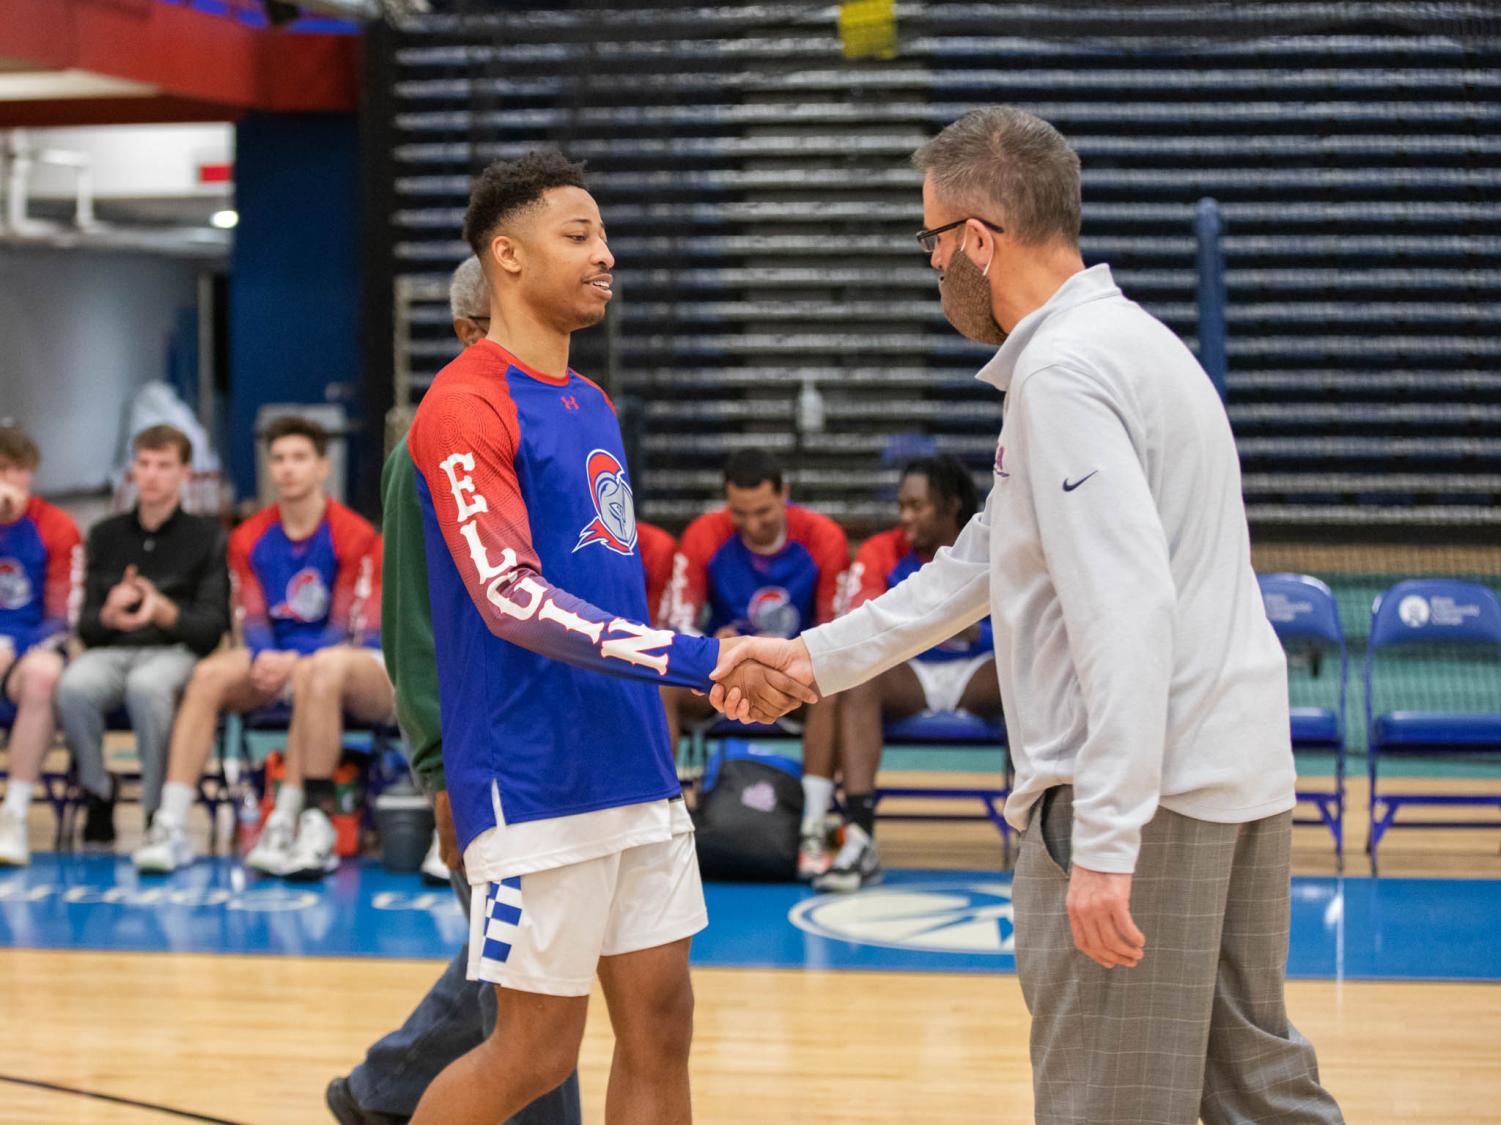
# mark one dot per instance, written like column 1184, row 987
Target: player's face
column 566, row 259
column 297, row 471
column 16, row 476
column 760, row 513
column 159, row 474
column 927, row 522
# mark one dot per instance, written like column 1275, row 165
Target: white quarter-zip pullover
column 1135, row 658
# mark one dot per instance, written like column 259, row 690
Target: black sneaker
column 99, row 819
column 857, row 865
column 347, row 1111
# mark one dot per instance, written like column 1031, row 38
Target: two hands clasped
column 760, row 679
column 134, row 603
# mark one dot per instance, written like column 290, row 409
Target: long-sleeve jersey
column 657, row 550
column 547, row 671
column 300, row 595
column 718, row 580
column 41, row 568
column 1133, row 650
column 888, row 559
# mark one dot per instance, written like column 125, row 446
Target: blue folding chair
column 952, row 728
column 1429, row 621
column 1305, row 615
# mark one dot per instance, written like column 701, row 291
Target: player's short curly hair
column 17, row 448
column 507, row 187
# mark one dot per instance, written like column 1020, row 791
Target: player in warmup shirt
column 306, row 589
column 658, row 548
column 761, row 566
column 562, row 785
column 936, row 499
column 40, row 566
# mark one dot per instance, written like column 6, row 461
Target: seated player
column 40, row 560
column 761, row 566
column 936, row 499
column 306, row 583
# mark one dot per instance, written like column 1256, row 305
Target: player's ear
column 505, row 254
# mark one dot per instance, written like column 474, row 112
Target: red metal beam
column 193, row 57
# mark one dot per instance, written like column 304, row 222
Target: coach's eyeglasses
column 928, row 239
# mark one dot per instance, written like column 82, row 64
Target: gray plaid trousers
column 1199, row 1027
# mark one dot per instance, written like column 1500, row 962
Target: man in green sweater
column 457, row 1014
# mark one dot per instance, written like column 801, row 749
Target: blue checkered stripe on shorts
column 502, row 917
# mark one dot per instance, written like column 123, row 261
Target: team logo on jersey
column 15, row 584
column 306, row 599
column 771, row 612
column 614, row 522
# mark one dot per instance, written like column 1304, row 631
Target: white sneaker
column 312, row 855
column 274, row 848
column 165, row 850
column 434, row 870
column 15, row 848
column 857, row 865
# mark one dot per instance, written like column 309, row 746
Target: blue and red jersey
column 41, row 570
column 888, row 559
column 548, row 672
column 718, row 580
column 657, row 548
column 300, row 595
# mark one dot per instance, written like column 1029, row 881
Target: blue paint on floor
column 916, row 921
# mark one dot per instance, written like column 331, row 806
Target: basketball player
column 563, row 788
column 937, row 497
column 40, row 561
column 762, row 566
column 306, row 576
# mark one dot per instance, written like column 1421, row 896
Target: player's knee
column 542, row 1067
column 325, row 671
column 661, row 1033
column 37, row 679
column 210, row 680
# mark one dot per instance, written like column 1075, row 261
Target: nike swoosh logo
column 1070, row 485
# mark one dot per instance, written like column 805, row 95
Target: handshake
column 760, row 679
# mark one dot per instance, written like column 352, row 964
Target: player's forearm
column 522, row 607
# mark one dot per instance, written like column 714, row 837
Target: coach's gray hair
column 1006, row 165
column 468, row 295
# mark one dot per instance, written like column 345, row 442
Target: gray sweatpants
column 1198, row 1028
column 147, row 682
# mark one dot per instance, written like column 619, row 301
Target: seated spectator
column 936, row 499
column 155, row 600
column 762, row 566
column 306, row 589
column 40, row 558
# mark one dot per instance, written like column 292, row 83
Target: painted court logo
column 958, row 917
column 614, row 523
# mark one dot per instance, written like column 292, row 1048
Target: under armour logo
column 569, row 402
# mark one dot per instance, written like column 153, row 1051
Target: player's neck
column 301, row 517
column 540, row 346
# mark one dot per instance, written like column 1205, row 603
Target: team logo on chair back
column 614, row 523
column 306, row 598
column 15, row 584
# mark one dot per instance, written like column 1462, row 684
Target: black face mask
column 966, row 301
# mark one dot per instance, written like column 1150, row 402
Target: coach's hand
column 448, row 839
column 1099, row 913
